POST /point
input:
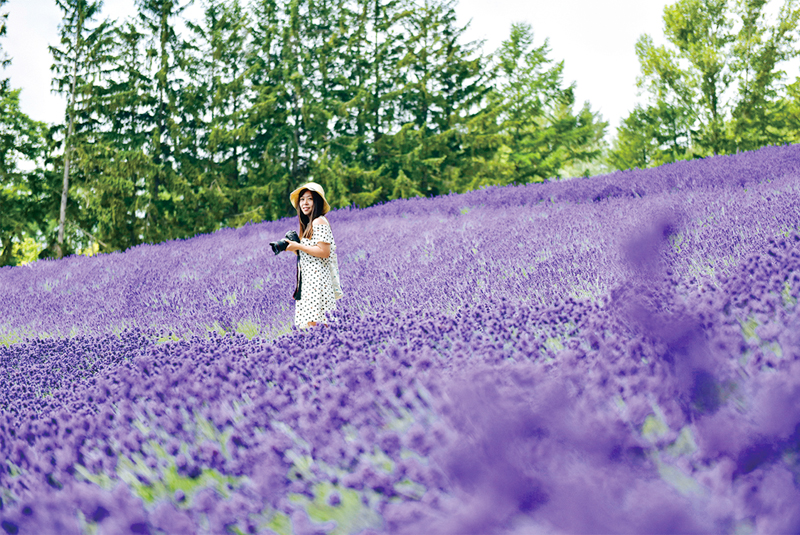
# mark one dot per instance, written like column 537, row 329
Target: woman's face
column 306, row 203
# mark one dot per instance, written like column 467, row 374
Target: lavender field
column 618, row 354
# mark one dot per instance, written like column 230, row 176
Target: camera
column 280, row 246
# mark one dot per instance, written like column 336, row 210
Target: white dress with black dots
column 320, row 286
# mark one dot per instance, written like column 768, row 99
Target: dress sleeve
column 322, row 233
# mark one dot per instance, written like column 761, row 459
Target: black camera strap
column 298, row 287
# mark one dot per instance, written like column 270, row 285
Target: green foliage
column 717, row 88
column 26, row 251
column 541, row 132
column 120, row 161
column 21, row 148
column 651, row 136
column 168, row 134
column 21, row 144
column 166, row 216
column 78, row 64
column 214, row 127
column 351, row 515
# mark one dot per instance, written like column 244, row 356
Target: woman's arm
column 320, row 250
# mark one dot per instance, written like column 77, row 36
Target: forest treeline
column 175, row 127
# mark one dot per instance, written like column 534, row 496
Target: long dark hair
column 306, row 230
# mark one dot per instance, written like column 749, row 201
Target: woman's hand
column 293, row 246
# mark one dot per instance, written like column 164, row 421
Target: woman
column 319, row 267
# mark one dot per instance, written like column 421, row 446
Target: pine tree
column 386, row 48
column 443, row 83
column 81, row 37
column 543, row 131
column 303, row 92
column 214, row 130
column 175, row 134
column 352, row 165
column 119, row 162
column 267, row 156
column 295, row 84
column 338, row 60
column 651, row 136
column 165, row 215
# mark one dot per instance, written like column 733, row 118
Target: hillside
column 613, row 354
column 537, row 243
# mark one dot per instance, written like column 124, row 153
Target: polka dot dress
column 317, row 296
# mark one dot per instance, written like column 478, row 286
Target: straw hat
column 311, row 186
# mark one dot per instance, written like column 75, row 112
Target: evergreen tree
column 118, row 164
column 295, row 85
column 175, row 134
column 352, row 166
column 542, row 131
column 75, row 77
column 267, row 156
column 320, row 82
column 651, row 136
column 166, row 217
column 443, row 85
column 386, row 47
column 341, row 59
column 303, row 97
column 790, row 113
column 213, row 123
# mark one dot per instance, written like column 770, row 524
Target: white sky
column 595, row 38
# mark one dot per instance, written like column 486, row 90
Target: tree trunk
column 8, row 247
column 64, row 193
column 67, row 147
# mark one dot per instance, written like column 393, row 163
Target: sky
column 594, row 38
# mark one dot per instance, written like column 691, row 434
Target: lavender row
column 652, row 412
column 632, row 366
column 419, row 253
